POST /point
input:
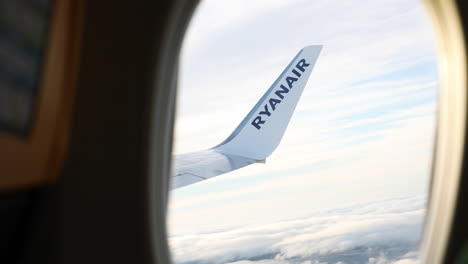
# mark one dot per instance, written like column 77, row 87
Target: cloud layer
column 380, row 232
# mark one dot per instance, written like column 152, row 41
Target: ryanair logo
column 268, row 108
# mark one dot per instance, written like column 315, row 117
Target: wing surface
column 201, row 165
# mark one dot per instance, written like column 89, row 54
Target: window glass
column 349, row 181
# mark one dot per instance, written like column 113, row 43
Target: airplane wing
column 258, row 135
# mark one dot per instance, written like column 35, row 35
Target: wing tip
column 317, row 48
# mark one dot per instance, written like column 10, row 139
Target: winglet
column 261, row 131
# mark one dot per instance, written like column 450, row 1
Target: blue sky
column 363, row 130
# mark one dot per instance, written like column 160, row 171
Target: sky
column 349, row 181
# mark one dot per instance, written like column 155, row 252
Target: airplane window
column 304, row 133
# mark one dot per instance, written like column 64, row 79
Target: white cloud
column 381, row 232
column 409, row 258
column 275, row 261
